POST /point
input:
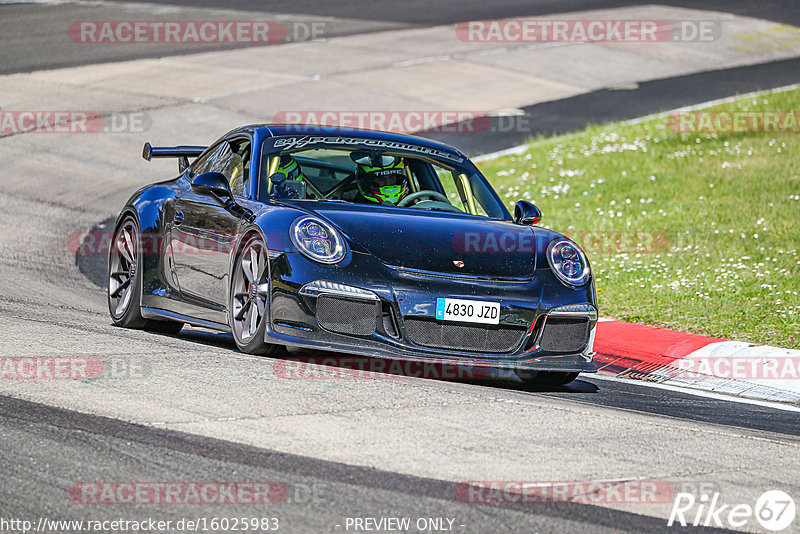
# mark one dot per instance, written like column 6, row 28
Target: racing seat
column 236, row 175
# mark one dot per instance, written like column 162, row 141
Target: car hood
column 436, row 241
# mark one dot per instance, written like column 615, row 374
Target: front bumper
column 395, row 317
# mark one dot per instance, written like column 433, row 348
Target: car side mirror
column 213, row 183
column 526, row 213
column 283, row 188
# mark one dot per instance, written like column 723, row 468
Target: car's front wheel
column 248, row 300
column 124, row 281
column 545, row 378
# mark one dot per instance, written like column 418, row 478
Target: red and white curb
column 657, row 355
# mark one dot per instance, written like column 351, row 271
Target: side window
column 234, row 163
column 459, row 195
column 231, row 158
column 447, row 179
column 203, row 163
column 484, row 203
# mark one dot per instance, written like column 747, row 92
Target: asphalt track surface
column 610, row 105
column 45, row 449
column 319, row 494
column 34, row 36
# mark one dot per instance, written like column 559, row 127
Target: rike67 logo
column 774, row 510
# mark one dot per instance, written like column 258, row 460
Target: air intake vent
column 565, row 335
column 389, row 322
column 474, row 338
column 357, row 318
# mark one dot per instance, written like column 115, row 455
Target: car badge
column 458, row 263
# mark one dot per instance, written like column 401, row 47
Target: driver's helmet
column 383, row 183
column 289, row 167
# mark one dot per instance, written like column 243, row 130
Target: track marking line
column 697, row 392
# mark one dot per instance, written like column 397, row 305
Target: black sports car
column 351, row 240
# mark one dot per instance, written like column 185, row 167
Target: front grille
column 565, row 334
column 353, row 317
column 473, row 338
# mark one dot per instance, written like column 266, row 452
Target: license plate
column 468, row 311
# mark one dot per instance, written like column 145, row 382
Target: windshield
column 376, row 177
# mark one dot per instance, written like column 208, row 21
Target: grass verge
column 691, row 231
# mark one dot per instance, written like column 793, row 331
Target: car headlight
column 569, row 263
column 317, row 240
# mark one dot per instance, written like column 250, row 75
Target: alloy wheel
column 249, row 299
column 122, row 268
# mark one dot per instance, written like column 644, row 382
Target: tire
column 124, row 277
column 248, row 298
column 545, row 378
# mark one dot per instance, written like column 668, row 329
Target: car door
column 203, row 232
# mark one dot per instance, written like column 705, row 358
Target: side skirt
column 156, row 313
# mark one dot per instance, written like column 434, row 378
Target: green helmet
column 290, row 168
column 382, row 183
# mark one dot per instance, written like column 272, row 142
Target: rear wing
column 183, row 153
